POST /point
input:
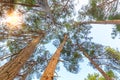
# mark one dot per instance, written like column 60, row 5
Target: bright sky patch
column 14, row 20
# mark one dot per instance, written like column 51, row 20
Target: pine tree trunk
column 49, row 71
column 94, row 63
column 11, row 69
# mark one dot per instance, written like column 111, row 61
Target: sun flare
column 14, row 20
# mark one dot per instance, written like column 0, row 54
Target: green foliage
column 114, row 17
column 101, row 78
column 98, row 9
column 19, row 1
column 95, row 11
column 113, row 53
column 76, row 55
column 96, row 76
column 110, row 73
column 71, row 53
column 116, row 31
column 92, row 76
column 68, row 26
column 30, row 1
column 113, row 59
column 26, row 2
column 92, row 52
column 15, row 46
column 118, row 28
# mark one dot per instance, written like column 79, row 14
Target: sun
column 14, row 20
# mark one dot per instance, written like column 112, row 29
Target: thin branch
column 105, row 3
column 98, row 22
column 7, row 56
column 23, row 4
column 112, row 66
column 100, row 58
column 59, row 13
column 65, row 5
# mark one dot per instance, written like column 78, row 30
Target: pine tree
column 94, row 63
column 50, row 69
column 11, row 69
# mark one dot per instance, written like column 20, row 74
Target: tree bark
column 94, row 63
column 22, row 4
column 49, row 71
column 101, row 22
column 11, row 69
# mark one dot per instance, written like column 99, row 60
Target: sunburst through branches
column 13, row 20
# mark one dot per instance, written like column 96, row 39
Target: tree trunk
column 101, row 22
column 22, row 4
column 49, row 71
column 11, row 69
column 94, row 63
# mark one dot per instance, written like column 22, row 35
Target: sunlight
column 14, row 20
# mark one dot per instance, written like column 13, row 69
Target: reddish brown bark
column 49, row 71
column 22, row 4
column 94, row 63
column 11, row 69
column 101, row 22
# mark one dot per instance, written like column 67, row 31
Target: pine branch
column 22, row 4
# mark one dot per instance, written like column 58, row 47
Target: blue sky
column 102, row 34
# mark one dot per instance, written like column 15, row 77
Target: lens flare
column 14, row 20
